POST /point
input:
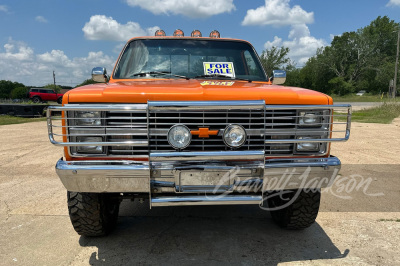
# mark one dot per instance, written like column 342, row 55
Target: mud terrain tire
column 93, row 214
column 298, row 215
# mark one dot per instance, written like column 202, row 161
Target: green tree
column 19, row 93
column 86, row 82
column 274, row 58
column 356, row 60
column 7, row 86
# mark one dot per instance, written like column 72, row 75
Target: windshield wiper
column 221, row 76
column 151, row 73
column 159, row 73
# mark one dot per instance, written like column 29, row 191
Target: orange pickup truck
column 194, row 121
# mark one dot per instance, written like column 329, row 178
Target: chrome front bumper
column 157, row 178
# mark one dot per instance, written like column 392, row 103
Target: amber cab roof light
column 196, row 33
column 179, row 33
column 160, row 33
column 215, row 34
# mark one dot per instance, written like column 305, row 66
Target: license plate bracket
column 203, row 181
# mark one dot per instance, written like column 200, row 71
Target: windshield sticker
column 217, row 83
column 219, row 68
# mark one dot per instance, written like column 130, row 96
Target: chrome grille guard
column 127, row 129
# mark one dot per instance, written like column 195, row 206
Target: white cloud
column 276, row 42
column 301, row 44
column 101, row 27
column 189, row 8
column 118, row 48
column 18, row 62
column 277, row 13
column 16, row 51
column 41, row 19
column 3, row 8
column 393, row 3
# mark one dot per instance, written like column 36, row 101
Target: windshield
column 191, row 58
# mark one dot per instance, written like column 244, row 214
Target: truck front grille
column 255, row 121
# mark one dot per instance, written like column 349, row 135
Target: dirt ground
column 357, row 227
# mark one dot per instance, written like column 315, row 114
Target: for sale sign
column 219, row 68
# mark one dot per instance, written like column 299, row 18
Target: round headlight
column 179, row 136
column 234, row 136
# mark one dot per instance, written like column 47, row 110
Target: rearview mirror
column 278, row 77
column 99, row 74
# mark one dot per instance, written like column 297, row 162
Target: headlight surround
column 87, row 118
column 308, row 146
column 310, row 118
column 234, row 136
column 179, row 136
column 89, row 149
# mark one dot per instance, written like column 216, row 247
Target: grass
column 383, row 114
column 9, row 120
column 365, row 98
column 389, row 220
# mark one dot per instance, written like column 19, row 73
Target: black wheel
column 59, row 100
column 299, row 214
column 93, row 214
column 36, row 99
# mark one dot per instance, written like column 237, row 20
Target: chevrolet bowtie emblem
column 204, row 132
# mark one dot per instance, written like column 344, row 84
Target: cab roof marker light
column 179, row 33
column 160, row 33
column 196, row 33
column 215, row 34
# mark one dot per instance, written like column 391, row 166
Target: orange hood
column 143, row 90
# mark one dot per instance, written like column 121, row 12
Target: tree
column 7, row 86
column 356, row 60
column 19, row 93
column 274, row 58
column 86, row 82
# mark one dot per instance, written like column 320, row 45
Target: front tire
column 59, row 100
column 300, row 214
column 93, row 214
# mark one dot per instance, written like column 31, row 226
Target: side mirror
column 99, row 74
column 278, row 77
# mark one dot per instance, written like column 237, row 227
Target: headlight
column 308, row 146
column 310, row 119
column 88, row 118
column 234, row 136
column 89, row 149
column 179, row 136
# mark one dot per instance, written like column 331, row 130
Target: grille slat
column 135, row 123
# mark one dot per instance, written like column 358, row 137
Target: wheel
column 93, row 214
column 59, row 100
column 299, row 214
column 36, row 99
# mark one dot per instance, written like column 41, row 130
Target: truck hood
column 142, row 91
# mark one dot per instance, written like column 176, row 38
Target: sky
column 71, row 37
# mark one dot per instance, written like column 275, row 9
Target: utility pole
column 395, row 67
column 54, row 78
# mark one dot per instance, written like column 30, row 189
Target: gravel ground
column 35, row 227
